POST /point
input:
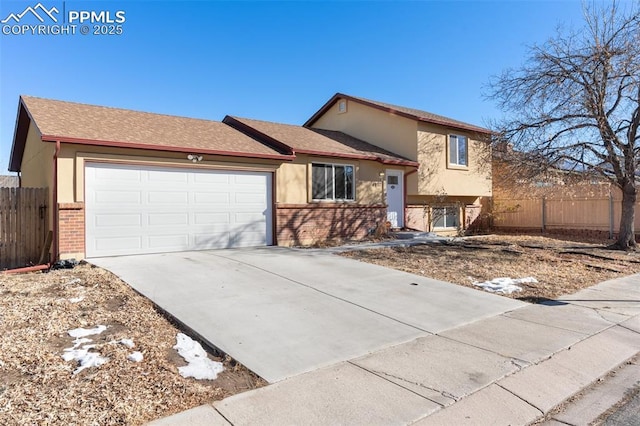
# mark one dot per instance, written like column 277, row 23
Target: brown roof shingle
column 305, row 140
column 411, row 113
column 74, row 122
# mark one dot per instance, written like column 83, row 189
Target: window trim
column 333, row 200
column 446, row 207
column 450, row 164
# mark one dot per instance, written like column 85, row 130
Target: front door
column 395, row 198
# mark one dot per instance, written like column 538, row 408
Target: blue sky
column 276, row 61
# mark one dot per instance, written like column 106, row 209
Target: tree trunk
column 627, row 236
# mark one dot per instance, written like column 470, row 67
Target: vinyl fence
column 23, row 226
column 548, row 214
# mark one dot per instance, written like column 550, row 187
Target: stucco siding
column 388, row 131
column 37, row 161
column 436, row 177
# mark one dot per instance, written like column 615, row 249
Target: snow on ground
column 199, row 366
column 135, row 356
column 82, row 355
column 505, row 285
column 76, row 299
column 127, row 342
column 82, row 332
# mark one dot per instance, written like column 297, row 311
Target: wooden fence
column 548, row 214
column 23, row 226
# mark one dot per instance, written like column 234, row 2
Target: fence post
column 611, row 218
column 544, row 214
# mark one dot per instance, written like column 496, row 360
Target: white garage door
column 135, row 209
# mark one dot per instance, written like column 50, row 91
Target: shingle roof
column 81, row 123
column 411, row 113
column 305, row 140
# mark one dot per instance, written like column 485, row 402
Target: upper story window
column 458, row 152
column 332, row 182
column 342, row 106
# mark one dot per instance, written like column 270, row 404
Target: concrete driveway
column 282, row 312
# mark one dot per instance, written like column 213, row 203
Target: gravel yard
column 559, row 266
column 38, row 386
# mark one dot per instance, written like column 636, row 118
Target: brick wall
column 70, row 228
column 306, row 224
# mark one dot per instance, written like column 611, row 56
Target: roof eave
column 194, row 150
column 388, row 161
column 393, row 111
column 20, row 132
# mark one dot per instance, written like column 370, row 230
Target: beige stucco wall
column 435, row 176
column 36, row 169
column 418, row 141
column 391, row 132
column 37, row 161
column 293, row 180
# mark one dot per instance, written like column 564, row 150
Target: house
column 9, row 181
column 445, row 194
column 129, row 182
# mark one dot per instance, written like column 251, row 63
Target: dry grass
column 561, row 266
column 37, row 386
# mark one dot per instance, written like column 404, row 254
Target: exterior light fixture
column 194, row 157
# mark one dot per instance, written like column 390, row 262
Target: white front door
column 395, row 198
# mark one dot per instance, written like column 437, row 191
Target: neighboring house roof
column 9, row 182
column 71, row 122
column 411, row 113
column 303, row 140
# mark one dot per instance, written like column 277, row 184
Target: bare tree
column 575, row 103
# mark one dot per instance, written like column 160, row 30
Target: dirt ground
column 561, row 266
column 38, row 387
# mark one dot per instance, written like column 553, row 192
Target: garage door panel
column 163, row 209
column 211, row 218
column 118, row 244
column 170, row 242
column 166, row 197
column 208, row 178
column 162, row 177
column 120, row 197
column 211, row 197
column 118, row 220
column 168, row 219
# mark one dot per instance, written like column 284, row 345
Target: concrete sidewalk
column 512, row 368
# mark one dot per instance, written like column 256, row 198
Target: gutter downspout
column 405, row 195
column 55, row 249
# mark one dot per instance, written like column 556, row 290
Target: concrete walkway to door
column 282, row 312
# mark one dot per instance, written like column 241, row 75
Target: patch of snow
column 79, row 341
column 82, row 332
column 76, row 299
column 127, row 342
column 199, row 366
column 135, row 356
column 84, row 357
column 505, row 285
column 74, row 281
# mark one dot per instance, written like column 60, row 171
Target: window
column 342, row 106
column 458, row 150
column 445, row 217
column 332, row 182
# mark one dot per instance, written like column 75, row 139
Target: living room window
column 332, row 182
column 458, row 153
column 445, row 217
